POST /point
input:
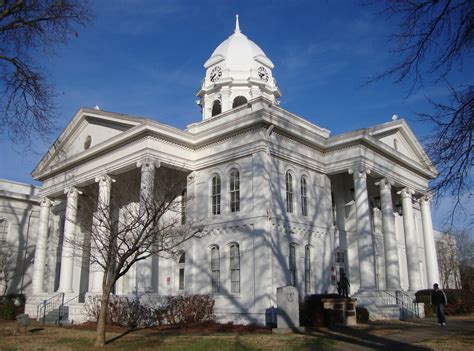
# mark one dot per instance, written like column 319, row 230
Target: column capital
column 406, row 193
column 46, row 202
column 104, row 180
column 426, row 199
column 72, row 190
column 148, row 164
column 385, row 184
column 359, row 172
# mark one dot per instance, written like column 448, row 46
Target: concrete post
column 364, row 232
column 411, row 245
column 392, row 269
column 430, row 245
column 67, row 258
column 41, row 244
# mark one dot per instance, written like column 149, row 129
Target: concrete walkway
column 398, row 335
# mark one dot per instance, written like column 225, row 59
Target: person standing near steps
column 439, row 301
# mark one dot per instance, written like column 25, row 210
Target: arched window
column 239, row 101
column 215, row 269
column 234, row 191
column 3, row 231
column 292, row 264
column 304, row 196
column 234, row 269
column 216, row 195
column 181, row 263
column 289, row 192
column 216, row 108
column 307, row 269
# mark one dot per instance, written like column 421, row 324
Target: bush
column 172, row 310
column 459, row 301
column 362, row 315
column 7, row 310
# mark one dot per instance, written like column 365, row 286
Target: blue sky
column 145, row 58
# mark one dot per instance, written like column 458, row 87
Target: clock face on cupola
column 237, row 71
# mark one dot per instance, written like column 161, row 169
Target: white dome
column 239, row 52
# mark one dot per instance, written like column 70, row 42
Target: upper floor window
column 216, row 195
column 181, row 263
column 292, row 264
column 216, row 108
column 3, row 231
column 234, row 269
column 215, row 269
column 307, row 269
column 239, row 101
column 304, row 196
column 234, row 191
column 289, row 192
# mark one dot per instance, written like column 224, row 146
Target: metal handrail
column 49, row 305
column 389, row 299
column 407, row 301
column 77, row 298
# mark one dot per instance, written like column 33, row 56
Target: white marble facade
column 295, row 206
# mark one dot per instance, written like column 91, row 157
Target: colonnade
column 147, row 167
column 366, row 251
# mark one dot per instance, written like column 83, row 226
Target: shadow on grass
column 34, row 330
column 118, row 337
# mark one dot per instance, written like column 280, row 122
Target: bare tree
column 433, row 39
column 448, row 261
column 121, row 230
column 31, row 29
column 6, row 266
column 465, row 245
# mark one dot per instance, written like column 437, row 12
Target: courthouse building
column 284, row 202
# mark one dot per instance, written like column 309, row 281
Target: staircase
column 390, row 305
column 55, row 310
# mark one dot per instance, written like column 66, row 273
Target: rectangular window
column 234, row 269
column 307, row 270
column 3, row 231
column 183, row 207
column 216, row 195
column 292, row 264
column 215, row 270
column 304, row 197
column 234, row 191
column 181, row 279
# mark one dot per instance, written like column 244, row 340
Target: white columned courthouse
column 283, row 201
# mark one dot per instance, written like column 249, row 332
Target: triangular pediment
column 398, row 136
column 88, row 129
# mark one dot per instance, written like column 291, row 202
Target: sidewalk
column 424, row 334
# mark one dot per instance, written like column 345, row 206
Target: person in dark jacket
column 344, row 285
column 439, row 301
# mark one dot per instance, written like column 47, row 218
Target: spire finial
column 237, row 26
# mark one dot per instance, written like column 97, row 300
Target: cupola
column 237, row 71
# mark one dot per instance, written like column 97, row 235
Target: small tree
column 125, row 229
column 448, row 261
column 6, row 266
column 465, row 245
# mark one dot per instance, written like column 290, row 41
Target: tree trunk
column 104, row 307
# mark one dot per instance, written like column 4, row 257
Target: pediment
column 399, row 137
column 88, row 129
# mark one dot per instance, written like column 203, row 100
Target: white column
column 411, row 245
column 67, row 257
column 392, row 269
column 103, row 206
column 430, row 245
column 41, row 244
column 364, row 232
column 143, row 277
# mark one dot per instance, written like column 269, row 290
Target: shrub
column 362, row 315
column 172, row 310
column 7, row 310
column 459, row 301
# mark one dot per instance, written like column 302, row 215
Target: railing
column 388, row 298
column 56, row 301
column 76, row 299
column 407, row 303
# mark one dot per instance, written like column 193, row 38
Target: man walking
column 439, row 301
